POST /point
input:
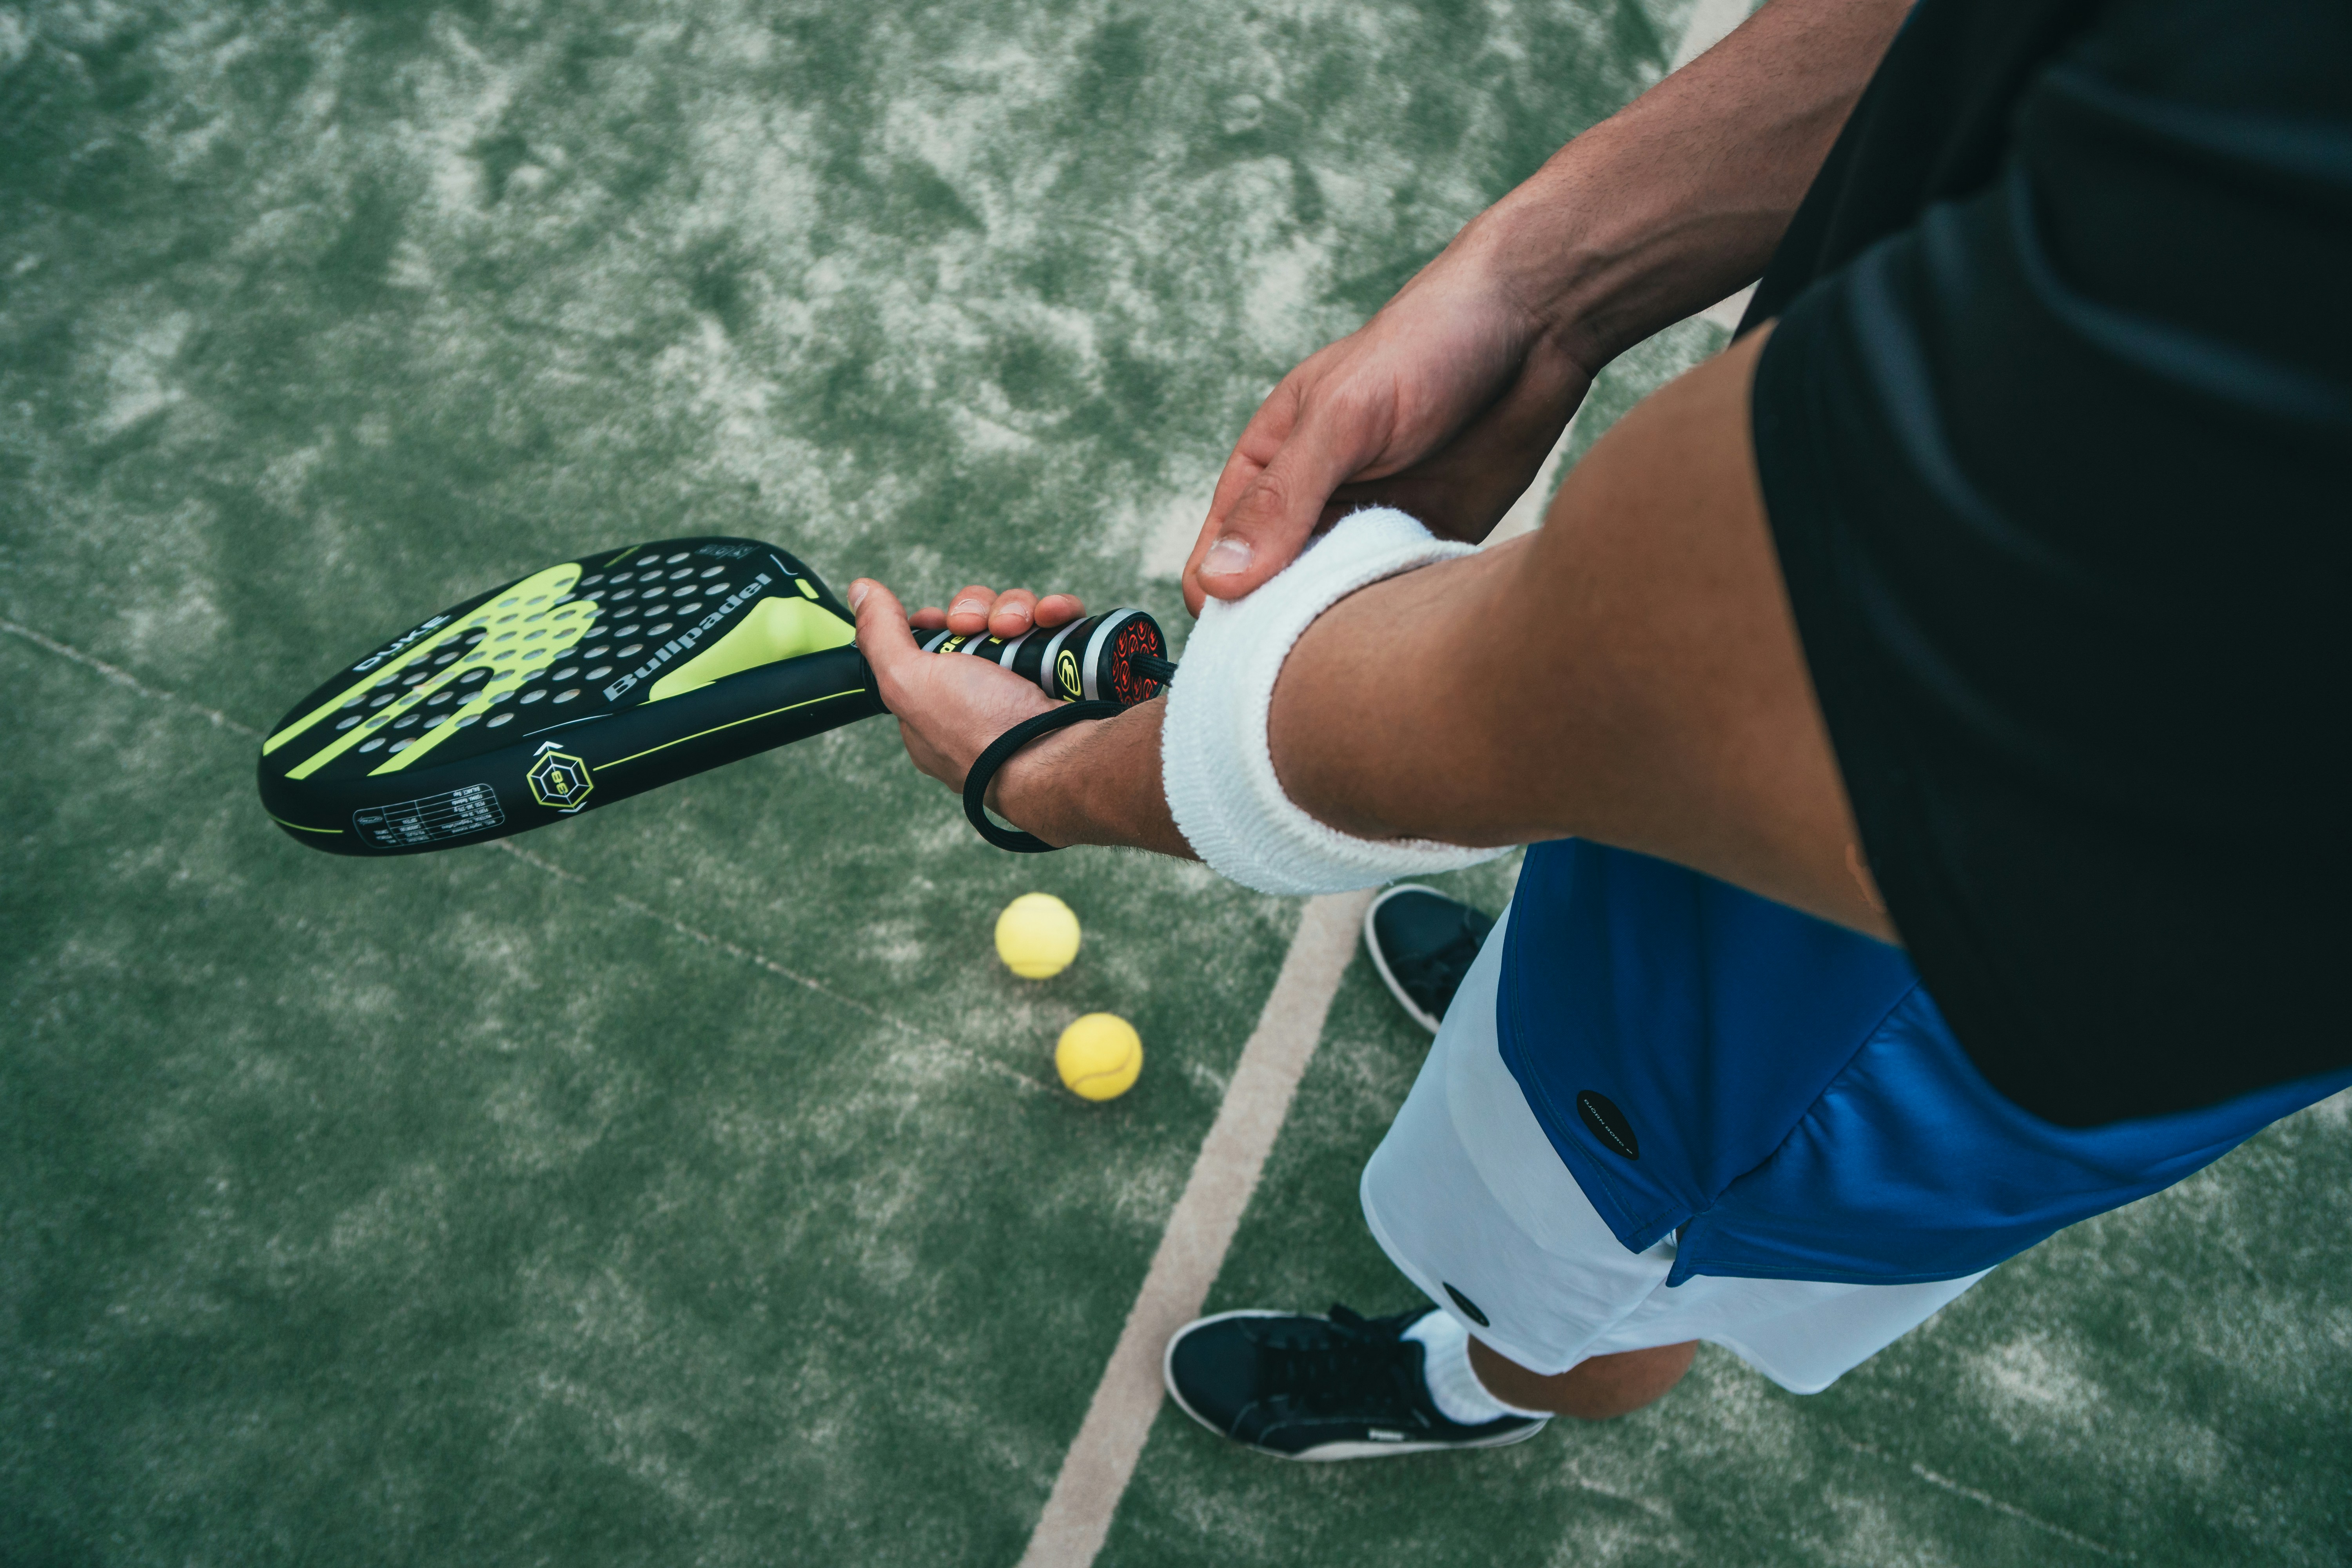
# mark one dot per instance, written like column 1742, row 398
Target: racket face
column 578, row 685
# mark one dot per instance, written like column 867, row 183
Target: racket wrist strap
column 1000, row 751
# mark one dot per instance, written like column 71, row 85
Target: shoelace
column 1339, row 1364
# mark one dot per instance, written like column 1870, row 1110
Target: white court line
column 1946, row 1484
column 1095, row 1469
column 124, row 678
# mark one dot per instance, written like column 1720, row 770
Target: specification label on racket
column 431, row 819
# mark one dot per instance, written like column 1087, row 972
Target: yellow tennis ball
column 1036, row 936
column 1099, row 1057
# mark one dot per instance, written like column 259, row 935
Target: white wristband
column 1214, row 761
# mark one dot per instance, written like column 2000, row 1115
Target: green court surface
column 688, row 1184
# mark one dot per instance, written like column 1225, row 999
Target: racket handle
column 1118, row 656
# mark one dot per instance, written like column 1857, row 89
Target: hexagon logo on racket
column 559, row 780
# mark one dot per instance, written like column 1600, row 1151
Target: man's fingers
column 968, row 611
column 882, row 632
column 1240, row 470
column 1331, row 427
column 1017, row 610
column 1007, row 615
column 1260, row 442
column 1465, row 488
column 1272, row 519
column 1014, row 612
column 1269, row 502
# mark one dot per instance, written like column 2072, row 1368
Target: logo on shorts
column 1605, row 1121
column 1469, row 1308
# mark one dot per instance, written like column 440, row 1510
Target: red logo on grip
column 1139, row 636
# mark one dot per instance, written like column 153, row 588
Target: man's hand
column 1446, row 402
column 1444, row 406
column 949, row 710
column 1667, row 708
column 1675, row 714
column 1089, row 784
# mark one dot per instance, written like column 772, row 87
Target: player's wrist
column 1590, row 272
column 1032, row 789
column 1536, row 252
column 1092, row 784
column 1618, row 236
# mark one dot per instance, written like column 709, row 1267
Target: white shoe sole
column 1412, row 1009
column 1324, row 1452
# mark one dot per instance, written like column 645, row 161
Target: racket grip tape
column 1118, row 656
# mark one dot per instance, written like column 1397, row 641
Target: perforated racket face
column 592, row 663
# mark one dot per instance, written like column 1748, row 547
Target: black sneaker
column 1423, row 942
column 1341, row 1387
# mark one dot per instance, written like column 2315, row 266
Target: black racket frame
column 569, row 766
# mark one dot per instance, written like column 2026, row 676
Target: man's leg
column 1348, row 1387
column 1591, row 1390
column 1423, row 944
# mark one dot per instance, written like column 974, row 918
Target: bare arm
column 1630, row 674
column 1446, row 402
column 1678, row 199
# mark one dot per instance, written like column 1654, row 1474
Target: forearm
column 1630, row 673
column 1678, row 199
column 1092, row 784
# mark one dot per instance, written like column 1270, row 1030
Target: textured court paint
column 484, row 1164
column 1101, row 1459
column 452, row 1209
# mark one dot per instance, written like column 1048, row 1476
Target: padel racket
column 605, row 677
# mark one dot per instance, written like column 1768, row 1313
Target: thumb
column 1275, row 514
column 882, row 635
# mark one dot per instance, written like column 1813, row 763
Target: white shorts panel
column 1466, row 1190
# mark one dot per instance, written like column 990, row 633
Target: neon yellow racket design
column 604, row 677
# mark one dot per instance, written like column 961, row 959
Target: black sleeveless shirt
column 2055, row 436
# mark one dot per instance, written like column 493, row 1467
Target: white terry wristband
column 1214, row 762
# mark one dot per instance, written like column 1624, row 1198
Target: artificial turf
column 688, row 1184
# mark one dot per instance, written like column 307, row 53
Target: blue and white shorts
column 1468, row 1197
